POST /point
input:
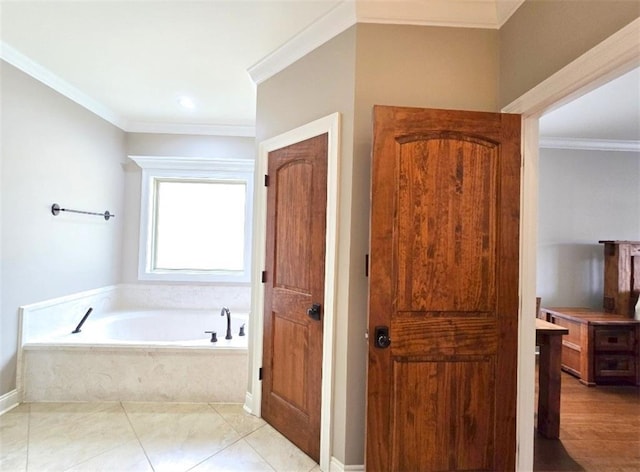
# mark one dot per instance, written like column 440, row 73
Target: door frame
column 611, row 58
column 329, row 124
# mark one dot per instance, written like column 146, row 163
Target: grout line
column 258, row 452
column 26, row 459
column 240, row 438
column 144, row 451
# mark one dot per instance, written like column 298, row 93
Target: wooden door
column 295, row 254
column 444, row 280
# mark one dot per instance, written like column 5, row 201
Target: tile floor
column 171, row 437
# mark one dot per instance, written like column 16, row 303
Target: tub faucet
column 225, row 311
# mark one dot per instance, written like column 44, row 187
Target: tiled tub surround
column 106, row 363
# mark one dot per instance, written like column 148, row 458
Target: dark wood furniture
column 621, row 277
column 600, row 347
column 549, row 338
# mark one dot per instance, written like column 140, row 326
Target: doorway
column 614, row 56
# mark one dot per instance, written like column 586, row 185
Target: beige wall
column 53, row 151
column 434, row 67
column 367, row 65
column 188, row 145
column 543, row 36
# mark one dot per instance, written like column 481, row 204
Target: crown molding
column 348, row 13
column 12, row 56
column 334, row 22
column 198, row 129
column 590, row 144
column 504, row 10
column 45, row 76
column 193, row 163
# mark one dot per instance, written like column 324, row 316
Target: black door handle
column 314, row 311
column 382, row 339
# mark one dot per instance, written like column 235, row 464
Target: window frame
column 185, row 169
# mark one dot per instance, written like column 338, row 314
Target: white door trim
column 611, row 58
column 329, row 124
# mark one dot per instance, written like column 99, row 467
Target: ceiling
column 131, row 62
column 611, row 113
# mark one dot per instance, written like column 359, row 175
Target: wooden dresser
column 600, row 347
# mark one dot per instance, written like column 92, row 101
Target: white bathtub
column 139, row 355
column 157, row 328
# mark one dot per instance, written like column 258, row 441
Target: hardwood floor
column 599, row 430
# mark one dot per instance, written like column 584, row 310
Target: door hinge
column 266, row 180
column 264, row 276
column 366, row 265
column 260, row 373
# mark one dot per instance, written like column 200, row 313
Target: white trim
column 248, row 403
column 198, row 129
column 584, row 144
column 442, row 23
column 348, row 13
column 331, row 125
column 213, row 169
column 48, row 78
column 337, row 20
column 615, row 55
column 42, row 74
column 193, row 163
column 9, row 401
column 337, row 466
column 504, row 10
column 525, row 406
column 611, row 58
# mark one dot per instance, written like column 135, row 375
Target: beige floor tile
column 128, row 457
column 14, row 430
column 279, row 452
column 63, row 435
column 178, row 436
column 239, row 457
column 234, row 414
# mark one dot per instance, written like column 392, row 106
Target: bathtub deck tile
column 168, row 375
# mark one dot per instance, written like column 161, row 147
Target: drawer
column 614, row 339
column 571, row 359
column 615, row 366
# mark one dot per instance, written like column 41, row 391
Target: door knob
column 314, row 311
column 382, row 339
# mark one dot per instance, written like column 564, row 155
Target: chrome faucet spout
column 226, row 311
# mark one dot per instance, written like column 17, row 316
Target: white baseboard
column 248, row 403
column 8, row 401
column 337, row 466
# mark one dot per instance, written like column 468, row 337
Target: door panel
column 446, row 220
column 418, row 385
column 295, row 254
column 444, row 279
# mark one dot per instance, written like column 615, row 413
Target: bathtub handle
column 214, row 336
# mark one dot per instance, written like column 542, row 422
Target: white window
column 195, row 219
